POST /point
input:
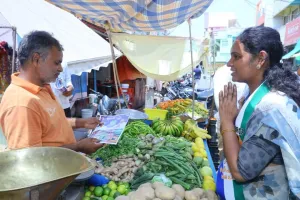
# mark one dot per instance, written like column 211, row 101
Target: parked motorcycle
column 105, row 105
column 171, row 91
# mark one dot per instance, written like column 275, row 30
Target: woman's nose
column 229, row 63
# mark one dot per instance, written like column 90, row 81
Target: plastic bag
column 163, row 179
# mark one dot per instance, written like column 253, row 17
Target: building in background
column 219, row 21
column 223, row 42
column 224, row 28
column 283, row 15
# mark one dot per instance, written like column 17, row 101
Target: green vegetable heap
column 126, row 146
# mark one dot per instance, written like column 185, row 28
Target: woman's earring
column 257, row 66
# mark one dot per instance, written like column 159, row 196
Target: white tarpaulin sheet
column 159, row 57
column 6, row 32
column 84, row 49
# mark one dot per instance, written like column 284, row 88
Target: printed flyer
column 112, row 129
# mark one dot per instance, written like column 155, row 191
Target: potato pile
column 158, row 191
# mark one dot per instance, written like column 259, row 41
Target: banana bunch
column 177, row 109
column 200, row 109
column 187, row 102
column 192, row 131
column 180, row 106
column 173, row 126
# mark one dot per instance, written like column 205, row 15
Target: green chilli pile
column 136, row 128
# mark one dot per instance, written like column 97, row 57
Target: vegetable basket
column 156, row 113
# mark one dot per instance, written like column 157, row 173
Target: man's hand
column 69, row 91
column 88, row 145
column 91, row 123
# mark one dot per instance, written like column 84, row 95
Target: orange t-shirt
column 31, row 116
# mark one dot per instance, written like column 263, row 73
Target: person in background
column 63, row 89
column 261, row 139
column 197, row 76
column 30, row 115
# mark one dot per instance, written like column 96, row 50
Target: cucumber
column 180, row 182
column 144, row 177
column 171, row 173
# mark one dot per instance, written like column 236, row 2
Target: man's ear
column 35, row 59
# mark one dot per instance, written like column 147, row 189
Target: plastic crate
column 156, row 113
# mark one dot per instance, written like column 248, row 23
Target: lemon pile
column 199, row 149
column 209, row 183
column 206, row 172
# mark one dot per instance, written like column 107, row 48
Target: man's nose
column 60, row 68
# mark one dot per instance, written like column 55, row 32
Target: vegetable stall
column 163, row 158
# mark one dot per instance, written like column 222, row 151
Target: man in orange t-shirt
column 30, row 115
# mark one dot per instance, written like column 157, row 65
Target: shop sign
column 292, row 32
column 260, row 13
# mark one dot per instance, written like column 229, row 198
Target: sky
column 244, row 10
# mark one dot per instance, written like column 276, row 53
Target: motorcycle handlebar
column 97, row 93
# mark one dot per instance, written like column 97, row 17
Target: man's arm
column 67, row 77
column 22, row 127
column 68, row 82
column 89, row 123
column 73, row 147
column 87, row 145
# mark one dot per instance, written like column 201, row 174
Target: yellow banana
column 203, row 135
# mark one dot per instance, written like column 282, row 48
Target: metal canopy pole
column 116, row 76
column 114, row 64
column 192, row 64
column 14, row 47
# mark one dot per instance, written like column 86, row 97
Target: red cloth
column 4, row 67
column 127, row 71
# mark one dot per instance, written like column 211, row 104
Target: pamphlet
column 111, row 130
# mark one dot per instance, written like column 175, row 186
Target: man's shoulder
column 15, row 96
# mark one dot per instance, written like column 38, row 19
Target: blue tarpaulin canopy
column 135, row 15
column 295, row 2
column 294, row 51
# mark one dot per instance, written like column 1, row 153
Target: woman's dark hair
column 260, row 38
